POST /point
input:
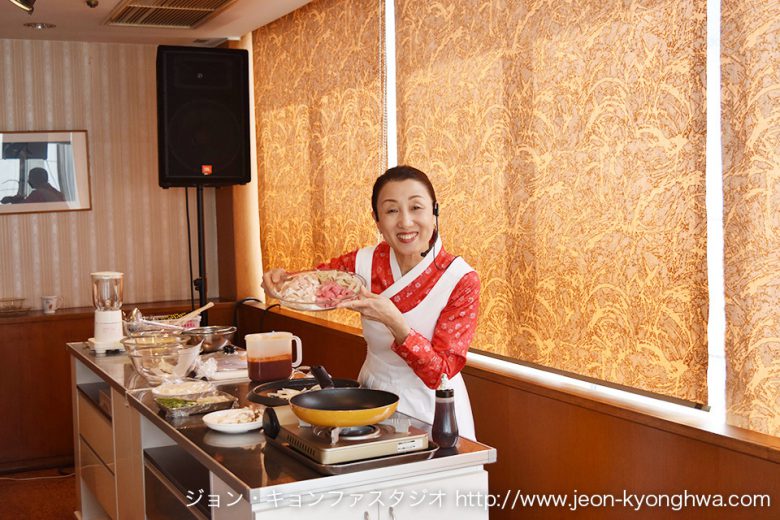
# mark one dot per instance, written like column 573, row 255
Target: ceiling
column 76, row 21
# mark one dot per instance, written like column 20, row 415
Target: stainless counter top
column 244, row 461
column 113, row 367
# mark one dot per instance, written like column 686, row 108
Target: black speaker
column 203, row 116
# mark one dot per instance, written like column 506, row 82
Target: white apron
column 386, row 370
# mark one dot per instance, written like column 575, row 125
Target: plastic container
column 184, row 406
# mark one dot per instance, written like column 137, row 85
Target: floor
column 43, row 494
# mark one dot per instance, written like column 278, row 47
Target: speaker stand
column 200, row 283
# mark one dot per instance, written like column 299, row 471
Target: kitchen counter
column 185, row 459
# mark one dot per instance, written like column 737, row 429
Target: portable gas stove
column 390, row 442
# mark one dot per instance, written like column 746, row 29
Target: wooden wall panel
column 36, row 426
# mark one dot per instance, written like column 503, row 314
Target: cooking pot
column 342, row 407
column 214, row 337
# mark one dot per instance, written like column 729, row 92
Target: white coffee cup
column 50, row 304
column 269, row 355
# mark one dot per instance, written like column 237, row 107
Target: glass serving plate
column 318, row 290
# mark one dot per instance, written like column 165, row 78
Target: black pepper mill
column 445, row 424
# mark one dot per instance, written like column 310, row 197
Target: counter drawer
column 163, row 498
column 95, row 429
column 98, row 479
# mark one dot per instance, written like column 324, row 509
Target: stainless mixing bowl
column 214, row 337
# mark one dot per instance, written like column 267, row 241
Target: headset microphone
column 435, row 233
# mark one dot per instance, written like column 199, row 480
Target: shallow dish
column 318, row 290
column 213, row 419
column 11, row 304
column 7, row 313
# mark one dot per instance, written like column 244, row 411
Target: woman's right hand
column 273, row 278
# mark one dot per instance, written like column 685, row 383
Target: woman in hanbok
column 419, row 313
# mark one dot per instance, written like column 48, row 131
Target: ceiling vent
column 182, row 14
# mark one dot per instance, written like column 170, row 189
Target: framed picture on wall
column 44, row 171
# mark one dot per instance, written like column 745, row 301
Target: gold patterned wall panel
column 566, row 142
column 319, row 105
column 109, row 91
column 750, row 62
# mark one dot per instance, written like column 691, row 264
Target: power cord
column 251, row 299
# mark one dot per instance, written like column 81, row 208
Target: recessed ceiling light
column 40, row 25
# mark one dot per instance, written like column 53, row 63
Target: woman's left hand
column 379, row 308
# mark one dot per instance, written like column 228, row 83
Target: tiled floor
column 44, row 494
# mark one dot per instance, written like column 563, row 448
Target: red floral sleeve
column 453, row 333
column 344, row 262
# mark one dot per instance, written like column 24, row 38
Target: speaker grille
column 166, row 13
column 203, row 116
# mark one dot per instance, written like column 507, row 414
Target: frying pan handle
column 322, row 376
column 270, row 423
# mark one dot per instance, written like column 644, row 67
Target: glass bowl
column 318, row 290
column 148, row 339
column 159, row 364
column 11, row 304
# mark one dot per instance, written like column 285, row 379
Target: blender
column 107, row 296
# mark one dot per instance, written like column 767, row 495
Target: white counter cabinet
column 134, row 463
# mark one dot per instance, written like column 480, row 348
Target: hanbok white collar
column 400, row 281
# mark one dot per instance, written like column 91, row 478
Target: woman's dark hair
column 395, row 174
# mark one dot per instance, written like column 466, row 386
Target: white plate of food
column 237, row 420
column 318, row 290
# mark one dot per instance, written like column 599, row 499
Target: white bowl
column 211, row 420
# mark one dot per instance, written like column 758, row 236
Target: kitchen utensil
column 342, row 406
column 318, row 290
column 137, row 322
column 158, row 364
column 107, row 289
column 194, row 313
column 259, row 394
column 214, row 337
column 269, row 355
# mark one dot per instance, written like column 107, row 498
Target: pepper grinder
column 445, row 424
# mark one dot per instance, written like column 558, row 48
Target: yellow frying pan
column 342, row 406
